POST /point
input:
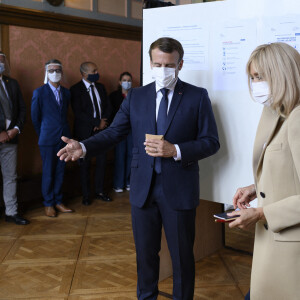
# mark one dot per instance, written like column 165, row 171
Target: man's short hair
column 84, row 66
column 52, row 61
column 167, row 45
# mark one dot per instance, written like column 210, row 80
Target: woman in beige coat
column 274, row 80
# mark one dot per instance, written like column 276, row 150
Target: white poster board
column 218, row 38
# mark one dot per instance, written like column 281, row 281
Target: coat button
column 266, row 226
column 263, row 195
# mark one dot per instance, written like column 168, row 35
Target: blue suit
column 169, row 199
column 50, row 122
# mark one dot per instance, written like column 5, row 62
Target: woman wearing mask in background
column 274, row 81
column 123, row 151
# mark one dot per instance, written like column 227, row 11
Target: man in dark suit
column 12, row 118
column 164, row 172
column 90, row 107
column 49, row 108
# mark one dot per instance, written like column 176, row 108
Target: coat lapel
column 265, row 132
column 51, row 96
column 178, row 92
column 9, row 91
column 150, row 104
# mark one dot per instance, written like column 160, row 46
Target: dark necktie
column 161, row 123
column 95, row 102
column 4, row 102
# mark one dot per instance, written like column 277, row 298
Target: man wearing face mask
column 164, row 183
column 123, row 150
column 90, row 106
column 12, row 118
column 49, row 108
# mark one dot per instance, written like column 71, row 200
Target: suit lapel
column 151, row 108
column 85, row 92
column 63, row 99
column 52, row 97
column 9, row 91
column 265, row 132
column 178, row 92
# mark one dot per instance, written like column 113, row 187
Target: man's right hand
column 72, row 151
column 244, row 196
column 4, row 137
column 103, row 124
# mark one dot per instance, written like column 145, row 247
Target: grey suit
column 8, row 150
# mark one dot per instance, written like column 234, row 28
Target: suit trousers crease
column 53, row 175
column 8, row 162
column 179, row 227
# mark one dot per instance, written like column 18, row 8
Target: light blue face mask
column 126, row 85
column 2, row 68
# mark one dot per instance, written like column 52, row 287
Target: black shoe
column 16, row 219
column 103, row 197
column 86, row 201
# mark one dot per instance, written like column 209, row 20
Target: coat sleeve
column 36, row 115
column 286, row 212
column 105, row 114
column 109, row 137
column 207, row 141
column 21, row 108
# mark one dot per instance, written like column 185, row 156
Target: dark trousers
column 53, row 175
column 85, row 165
column 179, row 227
column 123, row 157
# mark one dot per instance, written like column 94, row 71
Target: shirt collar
column 53, row 88
column 87, row 84
column 171, row 87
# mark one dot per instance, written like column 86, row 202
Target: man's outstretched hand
column 72, row 151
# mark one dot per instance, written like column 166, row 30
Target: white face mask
column 164, row 77
column 2, row 67
column 54, row 77
column 261, row 92
column 126, row 85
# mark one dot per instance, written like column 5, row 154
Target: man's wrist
column 83, row 150
column 177, row 155
column 16, row 127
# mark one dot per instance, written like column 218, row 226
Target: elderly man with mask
column 12, row 118
column 49, row 110
column 90, row 106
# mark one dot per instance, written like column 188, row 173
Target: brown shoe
column 50, row 211
column 63, row 209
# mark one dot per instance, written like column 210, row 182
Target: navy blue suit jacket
column 48, row 118
column 190, row 124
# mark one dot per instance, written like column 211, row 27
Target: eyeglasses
column 51, row 71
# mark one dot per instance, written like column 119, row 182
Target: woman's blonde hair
column 279, row 65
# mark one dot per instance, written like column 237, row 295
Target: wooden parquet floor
column 90, row 254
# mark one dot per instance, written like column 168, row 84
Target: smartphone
column 223, row 217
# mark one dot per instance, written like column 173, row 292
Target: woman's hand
column 248, row 217
column 244, row 196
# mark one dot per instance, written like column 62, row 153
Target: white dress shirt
column 159, row 96
column 89, row 89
